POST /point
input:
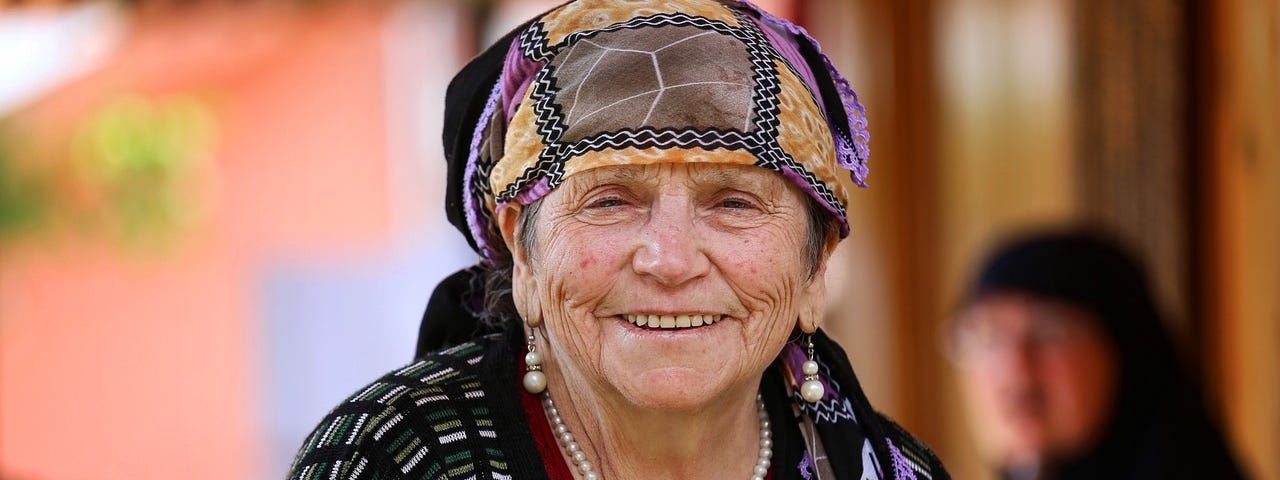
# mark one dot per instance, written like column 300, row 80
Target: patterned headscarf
column 599, row 82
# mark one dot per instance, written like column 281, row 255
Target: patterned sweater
column 457, row 414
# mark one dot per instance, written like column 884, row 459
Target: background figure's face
column 692, row 242
column 1039, row 377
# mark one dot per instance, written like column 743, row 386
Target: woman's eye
column 734, row 203
column 607, row 203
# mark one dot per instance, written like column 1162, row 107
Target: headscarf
column 598, row 82
column 1158, row 427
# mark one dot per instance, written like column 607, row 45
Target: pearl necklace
column 587, row 470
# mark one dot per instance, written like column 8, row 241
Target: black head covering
column 1158, row 428
column 464, row 102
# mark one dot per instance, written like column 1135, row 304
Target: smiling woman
column 667, row 242
column 654, row 187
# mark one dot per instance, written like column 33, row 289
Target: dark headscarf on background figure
column 1159, row 428
column 510, row 136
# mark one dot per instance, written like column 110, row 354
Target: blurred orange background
column 217, row 219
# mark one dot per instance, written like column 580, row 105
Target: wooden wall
column 1242, row 229
column 1157, row 119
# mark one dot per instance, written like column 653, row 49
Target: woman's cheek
column 582, row 266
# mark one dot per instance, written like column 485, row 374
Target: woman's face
column 668, row 244
column 1039, row 375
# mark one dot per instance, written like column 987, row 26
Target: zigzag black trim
column 775, row 158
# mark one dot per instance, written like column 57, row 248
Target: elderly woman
column 654, row 188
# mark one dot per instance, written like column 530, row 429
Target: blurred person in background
column 1069, row 373
column 655, row 188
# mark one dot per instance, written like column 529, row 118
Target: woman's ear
column 814, row 303
column 508, row 218
column 524, row 291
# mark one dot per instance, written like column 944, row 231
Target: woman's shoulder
column 419, row 421
column 911, row 457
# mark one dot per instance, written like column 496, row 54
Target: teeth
column 671, row 321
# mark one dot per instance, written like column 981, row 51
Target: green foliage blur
column 127, row 173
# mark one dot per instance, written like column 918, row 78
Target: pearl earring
column 812, row 389
column 534, row 380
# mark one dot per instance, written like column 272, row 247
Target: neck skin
column 622, row 441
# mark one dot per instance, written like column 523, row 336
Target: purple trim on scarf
column 471, row 203
column 533, row 192
column 517, row 74
column 901, row 467
column 852, row 157
column 806, row 466
column 791, row 54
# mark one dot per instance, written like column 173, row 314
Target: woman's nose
column 670, row 251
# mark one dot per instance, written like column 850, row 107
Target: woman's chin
column 672, row 389
column 671, row 369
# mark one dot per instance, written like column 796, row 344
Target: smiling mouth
column 671, row 322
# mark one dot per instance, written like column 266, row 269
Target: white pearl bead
column 535, row 382
column 573, row 447
column 533, row 358
column 579, row 457
column 592, row 476
column 812, row 391
column 810, row 367
column 761, row 470
column 584, row 466
column 566, row 438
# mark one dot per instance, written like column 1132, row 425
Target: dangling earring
column 812, row 389
column 535, row 381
